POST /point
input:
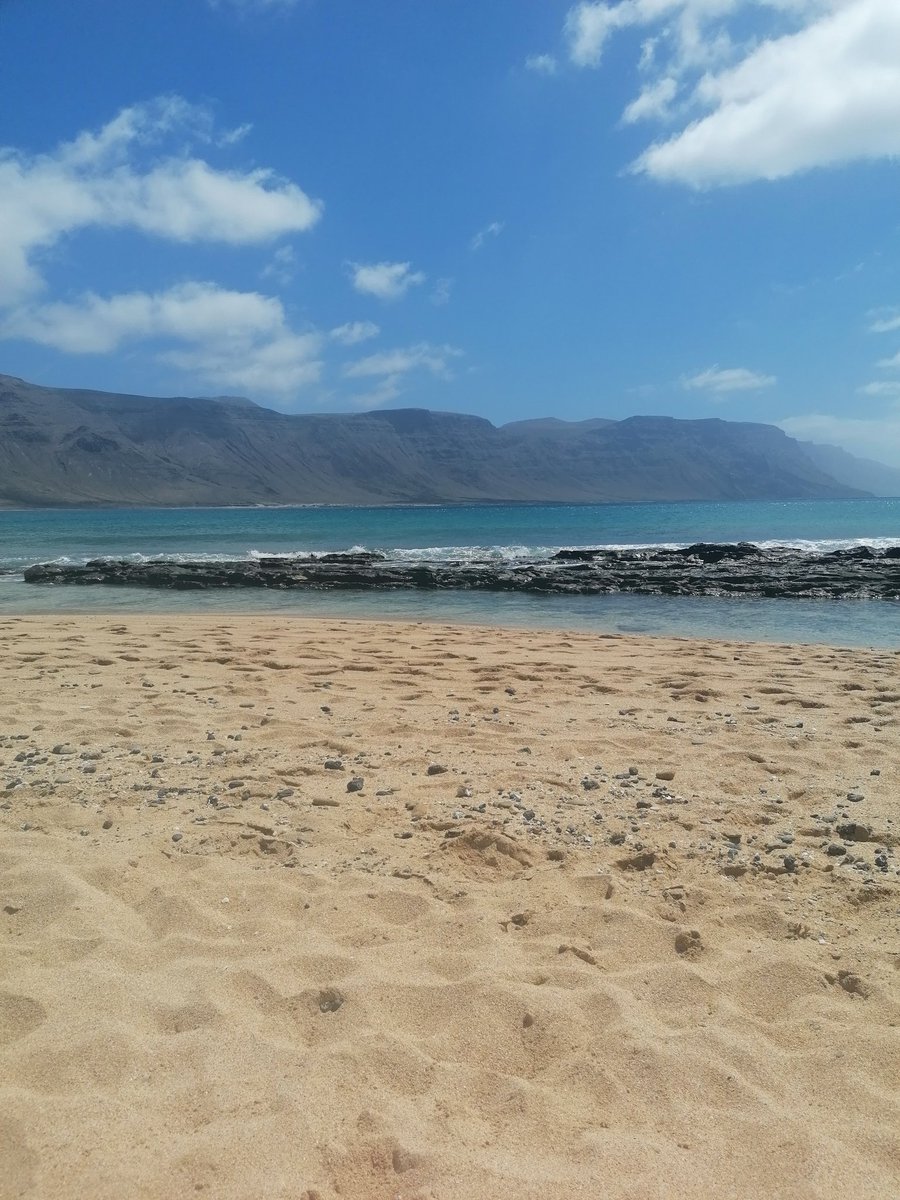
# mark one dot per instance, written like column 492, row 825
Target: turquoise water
column 462, row 532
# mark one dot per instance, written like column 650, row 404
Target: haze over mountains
column 70, row 447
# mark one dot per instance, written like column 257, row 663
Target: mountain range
column 62, row 446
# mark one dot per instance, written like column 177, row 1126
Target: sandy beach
column 310, row 910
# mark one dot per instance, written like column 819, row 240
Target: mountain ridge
column 85, row 448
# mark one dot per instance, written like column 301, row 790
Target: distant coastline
column 66, row 448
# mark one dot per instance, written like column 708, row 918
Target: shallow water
column 464, row 532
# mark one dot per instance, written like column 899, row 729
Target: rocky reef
column 705, row 569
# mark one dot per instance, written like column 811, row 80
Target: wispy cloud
column 441, row 292
column 354, row 332
column 391, row 368
column 542, row 64
column 884, row 320
column 386, row 280
column 422, row 356
column 494, row 229
column 720, row 381
column 654, row 102
column 280, row 266
column 881, row 387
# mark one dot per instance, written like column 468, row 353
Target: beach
column 333, row 908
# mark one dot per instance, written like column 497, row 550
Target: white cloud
column 386, row 280
column 490, row 231
column 391, row 367
column 383, row 393
column 112, row 179
column 653, row 103
column 891, row 364
column 870, row 437
column 588, row 26
column 354, row 332
column 542, row 64
column 882, row 387
column 279, row 366
column 885, row 320
column 231, row 137
column 767, row 88
column 399, row 362
column 232, row 339
column 280, row 266
column 720, row 381
column 827, row 95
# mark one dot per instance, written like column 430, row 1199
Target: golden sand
column 605, row 952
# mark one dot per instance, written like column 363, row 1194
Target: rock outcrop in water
column 700, row 570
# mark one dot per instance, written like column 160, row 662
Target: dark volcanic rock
column 702, row 570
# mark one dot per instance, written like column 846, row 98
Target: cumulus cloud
column 763, row 89
column 386, row 280
column 228, row 338
column 719, row 381
column 115, row 178
column 354, row 332
column 490, row 231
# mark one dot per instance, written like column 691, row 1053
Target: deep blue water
column 458, row 531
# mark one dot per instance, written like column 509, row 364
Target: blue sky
column 514, row 208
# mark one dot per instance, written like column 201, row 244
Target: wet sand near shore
column 350, row 909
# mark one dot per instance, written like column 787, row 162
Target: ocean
column 436, row 533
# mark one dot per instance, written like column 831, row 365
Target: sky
column 512, row 208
